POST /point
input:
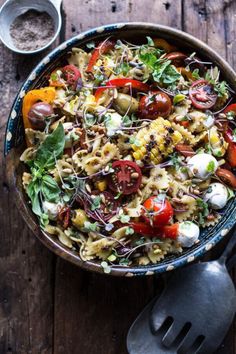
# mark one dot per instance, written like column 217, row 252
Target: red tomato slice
column 202, row 94
column 230, row 108
column 107, row 206
column 134, row 84
column 144, row 229
column 71, row 74
column 154, row 105
column 126, row 177
column 101, row 49
column 157, row 211
column 168, row 231
column 177, row 58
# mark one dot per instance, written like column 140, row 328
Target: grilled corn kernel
column 152, row 140
column 79, row 218
column 176, row 137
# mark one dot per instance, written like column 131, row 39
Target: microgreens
column 234, row 135
column 124, row 261
column 124, row 218
column 230, row 115
column 195, row 74
column 89, row 226
column 203, row 210
column 175, row 160
column 129, row 231
column 106, row 267
column 90, row 45
column 140, row 241
column 96, row 202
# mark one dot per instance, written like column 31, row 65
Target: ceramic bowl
column 14, row 143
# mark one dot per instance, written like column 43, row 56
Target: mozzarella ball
column 113, row 122
column 216, row 196
column 188, row 233
column 202, row 165
column 51, row 209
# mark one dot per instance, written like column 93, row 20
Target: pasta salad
column 130, row 150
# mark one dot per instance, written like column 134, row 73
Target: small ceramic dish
column 13, row 8
column 14, row 143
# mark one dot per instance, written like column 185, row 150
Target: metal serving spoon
column 192, row 315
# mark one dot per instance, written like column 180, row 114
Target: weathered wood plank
column 95, row 311
column 26, row 266
column 91, row 13
column 213, row 22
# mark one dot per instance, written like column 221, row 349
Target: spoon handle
column 228, row 248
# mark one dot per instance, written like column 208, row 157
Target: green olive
column 125, row 104
column 79, row 218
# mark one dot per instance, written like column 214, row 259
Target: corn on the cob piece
column 156, row 141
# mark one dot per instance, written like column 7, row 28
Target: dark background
column 46, row 304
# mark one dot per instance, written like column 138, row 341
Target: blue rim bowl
column 14, row 144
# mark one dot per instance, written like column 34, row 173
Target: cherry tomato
column 177, row 58
column 227, row 177
column 167, row 231
column 71, row 74
column 37, row 114
column 157, row 212
column 144, row 229
column 154, row 105
column 101, row 49
column 170, row 231
column 185, row 150
column 104, row 209
column 122, row 82
column 126, row 177
column 230, row 108
column 202, row 94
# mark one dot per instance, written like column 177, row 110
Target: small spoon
column 192, row 315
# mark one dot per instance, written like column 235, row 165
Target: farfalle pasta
column 130, row 151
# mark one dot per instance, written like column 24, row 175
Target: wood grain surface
column 47, row 305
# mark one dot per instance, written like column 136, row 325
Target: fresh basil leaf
column 51, row 148
column 33, row 193
column 50, row 189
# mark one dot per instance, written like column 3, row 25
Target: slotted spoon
column 192, row 315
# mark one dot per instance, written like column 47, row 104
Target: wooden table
column 48, row 305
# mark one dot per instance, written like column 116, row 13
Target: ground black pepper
column 32, row 30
